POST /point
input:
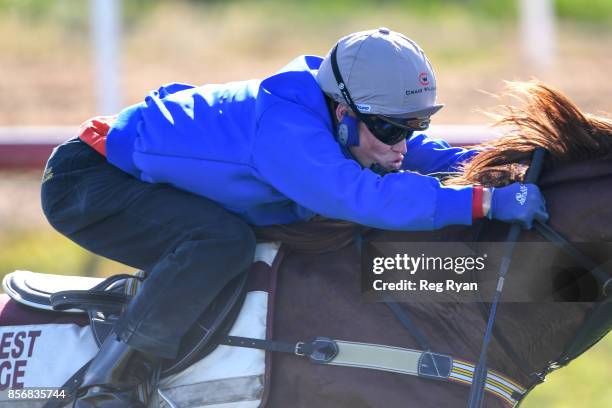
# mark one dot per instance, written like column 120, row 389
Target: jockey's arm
column 297, row 155
column 426, row 155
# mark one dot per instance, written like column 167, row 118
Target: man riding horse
column 172, row 185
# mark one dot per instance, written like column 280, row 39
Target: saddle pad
column 232, row 377
column 229, row 377
column 43, row 349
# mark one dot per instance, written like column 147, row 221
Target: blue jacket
column 265, row 150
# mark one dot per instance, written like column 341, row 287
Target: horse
column 319, row 293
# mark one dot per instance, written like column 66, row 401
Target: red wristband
column 477, row 210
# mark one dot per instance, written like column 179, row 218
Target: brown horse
column 320, row 295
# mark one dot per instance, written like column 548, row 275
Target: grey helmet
column 385, row 72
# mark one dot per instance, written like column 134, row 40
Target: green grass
column 591, row 11
column 44, row 250
column 584, row 383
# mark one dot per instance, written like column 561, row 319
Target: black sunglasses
column 388, row 130
column 391, row 131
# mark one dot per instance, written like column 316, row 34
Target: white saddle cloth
column 46, row 355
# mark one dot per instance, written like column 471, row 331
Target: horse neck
column 578, row 197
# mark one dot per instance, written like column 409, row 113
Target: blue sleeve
column 296, row 153
column 123, row 134
column 169, row 89
column 428, row 156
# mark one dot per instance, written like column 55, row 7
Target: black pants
column 189, row 246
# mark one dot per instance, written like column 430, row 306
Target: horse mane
column 316, row 236
column 547, row 118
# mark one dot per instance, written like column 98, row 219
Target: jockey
column 173, row 185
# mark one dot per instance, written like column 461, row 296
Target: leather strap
column 104, row 301
column 100, row 298
column 70, row 386
column 603, row 277
column 424, row 364
column 395, row 359
column 321, row 350
column 477, row 389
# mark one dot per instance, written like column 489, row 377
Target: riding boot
column 113, row 376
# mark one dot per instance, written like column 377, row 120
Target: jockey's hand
column 518, row 203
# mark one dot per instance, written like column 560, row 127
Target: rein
column 596, row 325
column 477, row 388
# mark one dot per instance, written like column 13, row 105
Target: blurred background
column 64, row 61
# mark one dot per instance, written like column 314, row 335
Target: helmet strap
column 342, row 86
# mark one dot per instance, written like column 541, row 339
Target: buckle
column 321, row 350
column 324, row 350
column 435, row 366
